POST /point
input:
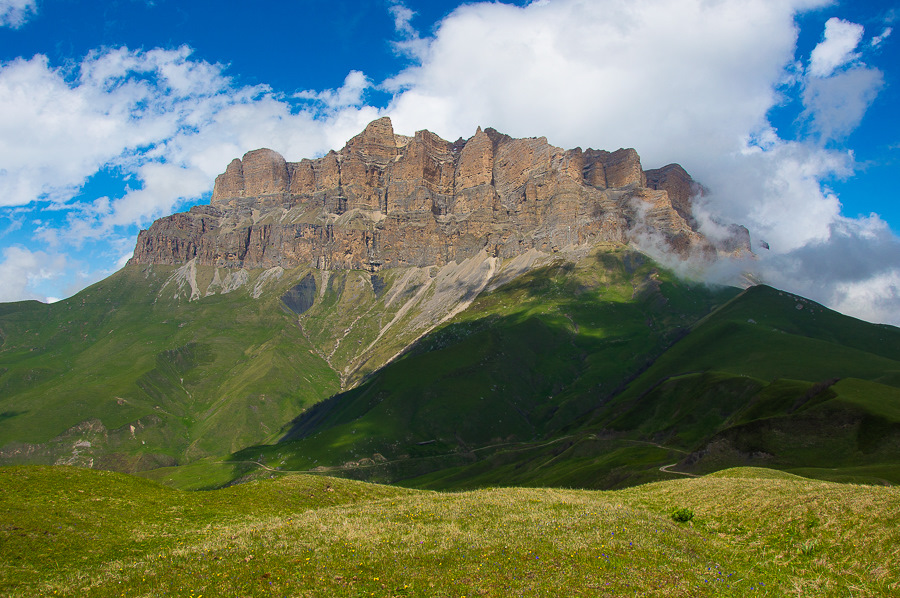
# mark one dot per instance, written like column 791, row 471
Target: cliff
column 387, row 200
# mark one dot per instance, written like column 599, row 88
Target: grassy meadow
column 753, row 532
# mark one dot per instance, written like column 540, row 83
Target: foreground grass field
column 74, row 532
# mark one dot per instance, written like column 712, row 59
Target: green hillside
column 592, row 373
column 162, row 365
column 75, row 532
column 518, row 367
column 776, row 380
column 549, row 381
column 127, row 375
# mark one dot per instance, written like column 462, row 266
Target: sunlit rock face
column 387, row 200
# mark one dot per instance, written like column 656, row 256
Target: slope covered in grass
column 521, row 364
column 596, row 374
column 129, row 374
column 774, row 379
column 69, row 532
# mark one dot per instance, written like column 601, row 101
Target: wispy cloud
column 879, row 39
column 15, row 13
column 410, row 42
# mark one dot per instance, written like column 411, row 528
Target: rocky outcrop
column 386, row 200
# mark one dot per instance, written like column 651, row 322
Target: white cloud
column 879, row 39
column 776, row 193
column 874, row 299
column 21, row 269
column 835, row 105
column 673, row 79
column 170, row 122
column 349, row 94
column 14, row 13
column 681, row 81
column 411, row 43
column 854, row 270
column 836, row 48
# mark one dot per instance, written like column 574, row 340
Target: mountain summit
column 388, row 200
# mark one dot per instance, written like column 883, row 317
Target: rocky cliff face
column 387, row 200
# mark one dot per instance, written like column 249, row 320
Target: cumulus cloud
column 349, row 94
column 686, row 81
column 167, row 121
column 672, row 79
column 775, row 193
column 14, row 13
column 837, row 47
column 682, row 81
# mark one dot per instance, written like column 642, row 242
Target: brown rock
column 229, row 184
column 675, row 181
column 386, row 200
column 476, row 163
column 623, row 168
column 265, row 173
column 303, row 177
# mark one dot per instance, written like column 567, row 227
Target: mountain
column 442, row 315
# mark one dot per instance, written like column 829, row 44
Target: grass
column 589, row 374
column 68, row 532
column 521, row 364
column 159, row 379
column 557, row 368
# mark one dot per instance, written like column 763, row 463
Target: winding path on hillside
column 666, row 469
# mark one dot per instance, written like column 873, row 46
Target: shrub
column 682, row 515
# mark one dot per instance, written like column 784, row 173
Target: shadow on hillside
column 555, row 343
column 5, row 415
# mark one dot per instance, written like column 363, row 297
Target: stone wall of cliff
column 387, row 200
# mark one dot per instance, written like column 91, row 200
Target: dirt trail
column 666, row 469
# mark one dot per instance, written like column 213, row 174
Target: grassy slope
column 521, row 363
column 762, row 379
column 193, row 378
column 71, row 532
column 498, row 393
column 758, row 381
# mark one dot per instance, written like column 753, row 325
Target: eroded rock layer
column 387, row 200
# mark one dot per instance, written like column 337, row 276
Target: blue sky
column 115, row 113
